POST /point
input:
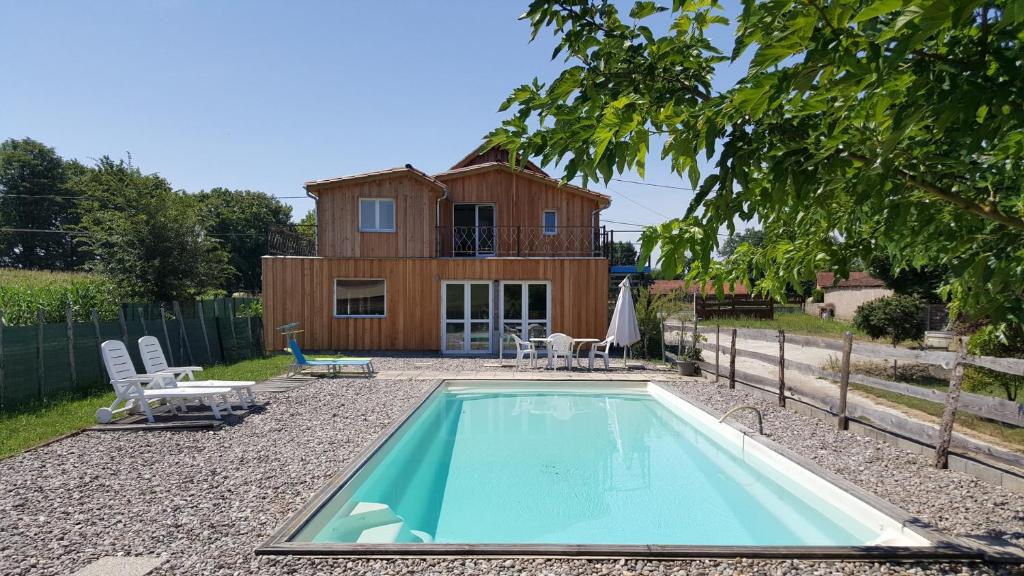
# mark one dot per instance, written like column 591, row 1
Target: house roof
column 407, row 170
column 481, row 156
column 488, row 166
column 668, row 286
column 855, row 280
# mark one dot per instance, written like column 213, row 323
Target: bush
column 818, row 296
column 994, row 340
column 895, row 318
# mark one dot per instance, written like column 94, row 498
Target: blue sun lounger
column 333, row 365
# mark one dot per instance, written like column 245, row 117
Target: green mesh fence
column 72, row 363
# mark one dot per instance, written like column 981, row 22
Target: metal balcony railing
column 524, row 241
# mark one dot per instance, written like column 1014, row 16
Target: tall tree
column 624, row 254
column 149, row 239
column 34, row 195
column 861, row 127
column 307, row 226
column 752, row 236
column 240, row 219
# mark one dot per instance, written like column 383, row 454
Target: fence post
column 142, row 318
column 124, row 324
column 206, row 338
column 732, row 361
column 40, row 370
column 949, row 412
column 69, row 319
column 182, row 333
column 220, row 335
column 167, row 336
column 718, row 344
column 99, row 341
column 229, row 305
column 1, row 360
column 663, row 340
column 679, row 344
column 248, row 327
column 844, row 382
column 782, row 368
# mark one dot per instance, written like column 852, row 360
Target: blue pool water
column 589, row 467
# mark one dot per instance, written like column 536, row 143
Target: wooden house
column 449, row 262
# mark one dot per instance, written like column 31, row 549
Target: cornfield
column 24, row 292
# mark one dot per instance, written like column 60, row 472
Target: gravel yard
column 205, row 500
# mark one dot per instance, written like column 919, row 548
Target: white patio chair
column 601, row 350
column 128, row 386
column 155, row 362
column 524, row 349
column 559, row 346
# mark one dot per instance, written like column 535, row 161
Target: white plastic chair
column 128, row 386
column 524, row 349
column 559, row 346
column 155, row 362
column 600, row 349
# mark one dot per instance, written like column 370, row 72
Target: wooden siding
column 299, row 289
column 415, row 212
column 519, row 200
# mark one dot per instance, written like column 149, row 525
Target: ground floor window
column 466, row 326
column 362, row 297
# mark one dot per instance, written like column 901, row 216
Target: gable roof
column 489, row 166
column 856, row 280
column 407, row 170
column 481, row 156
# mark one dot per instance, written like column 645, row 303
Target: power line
column 628, row 199
column 655, row 185
column 58, row 197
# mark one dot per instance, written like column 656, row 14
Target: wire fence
column 49, row 359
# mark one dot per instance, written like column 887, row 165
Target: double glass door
column 474, row 233
column 525, row 310
column 467, row 317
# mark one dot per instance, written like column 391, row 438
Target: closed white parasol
column 623, row 329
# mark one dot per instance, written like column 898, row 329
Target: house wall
column 298, row 289
column 338, row 232
column 846, row 300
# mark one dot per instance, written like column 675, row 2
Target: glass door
column 525, row 310
column 466, row 326
column 473, row 231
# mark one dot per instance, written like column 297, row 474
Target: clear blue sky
column 267, row 95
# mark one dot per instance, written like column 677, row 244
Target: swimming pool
column 583, row 468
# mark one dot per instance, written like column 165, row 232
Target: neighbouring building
column 447, row 262
column 843, row 297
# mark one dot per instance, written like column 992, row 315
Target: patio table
column 574, row 348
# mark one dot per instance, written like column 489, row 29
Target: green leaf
column 876, row 9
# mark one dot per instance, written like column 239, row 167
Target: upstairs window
column 550, row 222
column 376, row 214
column 359, row 297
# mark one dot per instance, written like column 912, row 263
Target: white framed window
column 550, row 222
column 360, row 298
column 376, row 214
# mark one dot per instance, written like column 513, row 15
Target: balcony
column 521, row 241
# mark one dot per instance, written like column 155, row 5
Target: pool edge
column 944, row 547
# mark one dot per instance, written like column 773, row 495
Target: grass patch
column 793, row 323
column 37, row 423
column 1004, row 432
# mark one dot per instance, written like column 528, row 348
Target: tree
column 149, row 239
column 34, row 195
column 752, row 236
column 239, row 219
column 623, row 254
column 995, row 340
column 895, row 318
column 923, row 282
column 307, row 226
column 861, row 127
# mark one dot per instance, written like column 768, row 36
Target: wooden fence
column 731, row 306
column 722, row 342
column 45, row 360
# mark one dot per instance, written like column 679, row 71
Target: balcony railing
column 290, row 241
column 524, row 241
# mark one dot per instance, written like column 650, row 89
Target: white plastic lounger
column 155, row 362
column 128, row 386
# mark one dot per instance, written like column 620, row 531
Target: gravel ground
column 205, row 500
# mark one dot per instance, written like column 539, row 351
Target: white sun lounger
column 155, row 363
column 128, row 386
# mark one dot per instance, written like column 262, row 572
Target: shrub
column 994, row 340
column 895, row 318
column 818, row 296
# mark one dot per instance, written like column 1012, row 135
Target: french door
column 473, row 233
column 525, row 310
column 466, row 325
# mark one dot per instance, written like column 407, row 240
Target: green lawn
column 793, row 323
column 34, row 425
